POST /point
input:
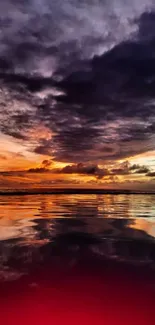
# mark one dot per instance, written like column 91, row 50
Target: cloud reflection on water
column 38, row 229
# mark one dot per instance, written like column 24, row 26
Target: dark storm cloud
column 81, row 169
column 120, row 78
column 124, row 169
column 38, row 170
column 127, row 169
column 151, row 174
column 134, row 167
column 46, row 36
column 44, row 147
column 26, row 82
column 45, row 165
column 137, row 169
column 142, row 170
column 93, row 170
column 147, row 26
column 98, row 54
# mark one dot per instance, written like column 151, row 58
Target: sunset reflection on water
column 80, row 257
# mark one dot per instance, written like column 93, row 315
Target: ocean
column 77, row 259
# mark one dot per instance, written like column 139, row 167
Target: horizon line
column 56, row 190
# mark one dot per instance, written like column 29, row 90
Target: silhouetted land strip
column 71, row 191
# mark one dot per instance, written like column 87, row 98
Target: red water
column 94, row 294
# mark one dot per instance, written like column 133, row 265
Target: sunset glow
column 77, row 105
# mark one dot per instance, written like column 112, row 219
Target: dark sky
column 77, row 82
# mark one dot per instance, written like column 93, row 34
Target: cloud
column 37, row 170
column 151, row 174
column 98, row 55
column 126, row 168
column 90, row 169
column 134, row 167
column 44, row 167
column 123, row 176
column 147, row 26
column 46, row 163
column 142, row 170
column 139, row 169
column 81, row 168
column 43, row 35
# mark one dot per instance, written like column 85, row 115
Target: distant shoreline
column 72, row 191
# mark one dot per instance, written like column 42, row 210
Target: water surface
column 79, row 253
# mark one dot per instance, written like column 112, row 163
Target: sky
column 77, row 100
